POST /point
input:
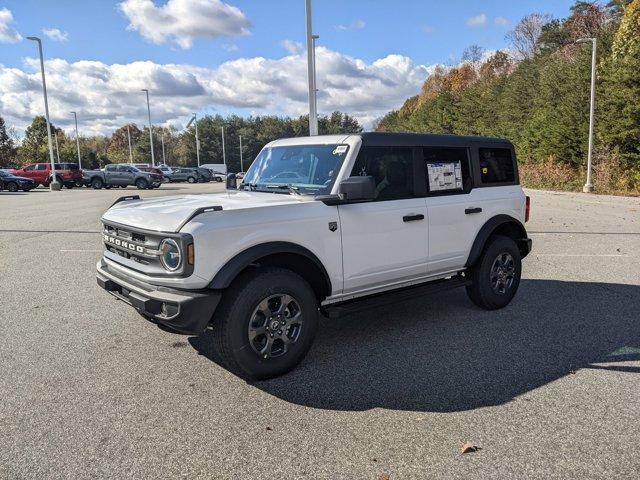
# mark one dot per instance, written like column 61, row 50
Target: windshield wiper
column 291, row 188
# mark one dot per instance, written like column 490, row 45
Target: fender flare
column 485, row 232
column 233, row 267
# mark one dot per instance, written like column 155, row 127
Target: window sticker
column 340, row 150
column 444, row 176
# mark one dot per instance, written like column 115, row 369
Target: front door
column 384, row 242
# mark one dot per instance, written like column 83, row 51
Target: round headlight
column 170, row 256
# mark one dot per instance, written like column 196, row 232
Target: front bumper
column 186, row 311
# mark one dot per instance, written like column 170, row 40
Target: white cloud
column 427, row 29
column 477, row 21
column 107, row 96
column 501, row 21
column 292, row 47
column 356, row 25
column 7, row 33
column 182, row 21
column 230, row 47
column 56, row 34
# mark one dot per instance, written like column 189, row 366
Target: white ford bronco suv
column 325, row 224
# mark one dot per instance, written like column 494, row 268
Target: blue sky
column 422, row 33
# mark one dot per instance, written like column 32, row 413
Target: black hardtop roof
column 384, row 139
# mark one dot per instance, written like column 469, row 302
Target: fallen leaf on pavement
column 469, row 448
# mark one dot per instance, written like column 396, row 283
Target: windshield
column 310, row 169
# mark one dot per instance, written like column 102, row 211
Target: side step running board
column 394, row 296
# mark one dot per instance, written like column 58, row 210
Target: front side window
column 310, row 169
column 40, row 166
column 496, row 166
column 391, row 168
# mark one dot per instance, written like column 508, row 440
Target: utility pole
column 75, row 116
column 588, row 187
column 130, row 151
column 311, row 72
column 54, row 185
column 153, row 157
column 241, row 166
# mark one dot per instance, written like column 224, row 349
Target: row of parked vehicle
column 121, row 175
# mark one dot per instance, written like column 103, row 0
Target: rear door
column 384, row 242
column 456, row 210
column 111, row 175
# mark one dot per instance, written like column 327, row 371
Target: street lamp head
column 145, row 90
column 584, row 40
column 35, row 39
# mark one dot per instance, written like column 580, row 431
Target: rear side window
column 392, row 169
column 41, row 166
column 496, row 166
column 447, row 170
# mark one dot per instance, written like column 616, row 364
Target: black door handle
column 473, row 210
column 412, row 218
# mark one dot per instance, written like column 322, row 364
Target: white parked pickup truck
column 325, row 224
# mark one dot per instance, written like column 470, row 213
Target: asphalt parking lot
column 548, row 387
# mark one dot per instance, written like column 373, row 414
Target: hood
column 12, row 176
column 169, row 214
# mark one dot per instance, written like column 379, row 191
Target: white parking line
column 81, row 251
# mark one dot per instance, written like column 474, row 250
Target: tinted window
column 392, row 169
column 496, row 165
column 447, row 170
column 40, row 166
column 111, row 168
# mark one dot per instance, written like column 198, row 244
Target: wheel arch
column 278, row 254
column 499, row 225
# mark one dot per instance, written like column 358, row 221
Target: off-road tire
column 481, row 291
column 234, row 314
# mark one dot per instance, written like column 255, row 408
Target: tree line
column 179, row 146
column 537, row 95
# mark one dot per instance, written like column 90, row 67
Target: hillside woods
column 537, row 95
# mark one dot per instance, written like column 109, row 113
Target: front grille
column 138, row 247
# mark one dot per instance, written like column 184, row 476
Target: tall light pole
column 195, row 119
column 130, row 151
column 224, row 155
column 54, row 185
column 311, row 72
column 153, row 157
column 75, row 117
column 588, row 187
column 164, row 159
column 241, row 166
column 57, row 148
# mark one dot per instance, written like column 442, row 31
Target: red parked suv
column 67, row 173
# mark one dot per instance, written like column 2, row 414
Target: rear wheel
column 191, row 180
column 266, row 323
column 97, row 183
column 142, row 184
column 496, row 276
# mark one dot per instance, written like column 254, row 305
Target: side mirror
column 231, row 182
column 357, row 188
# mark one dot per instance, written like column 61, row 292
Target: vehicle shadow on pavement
column 442, row 354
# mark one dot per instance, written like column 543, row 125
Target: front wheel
column 496, row 276
column 266, row 323
column 12, row 187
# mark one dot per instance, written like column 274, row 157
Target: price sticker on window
column 340, row 150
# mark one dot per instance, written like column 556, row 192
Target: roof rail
column 126, row 198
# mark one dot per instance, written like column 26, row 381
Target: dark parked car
column 190, row 175
column 156, row 171
column 206, row 174
column 13, row 183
